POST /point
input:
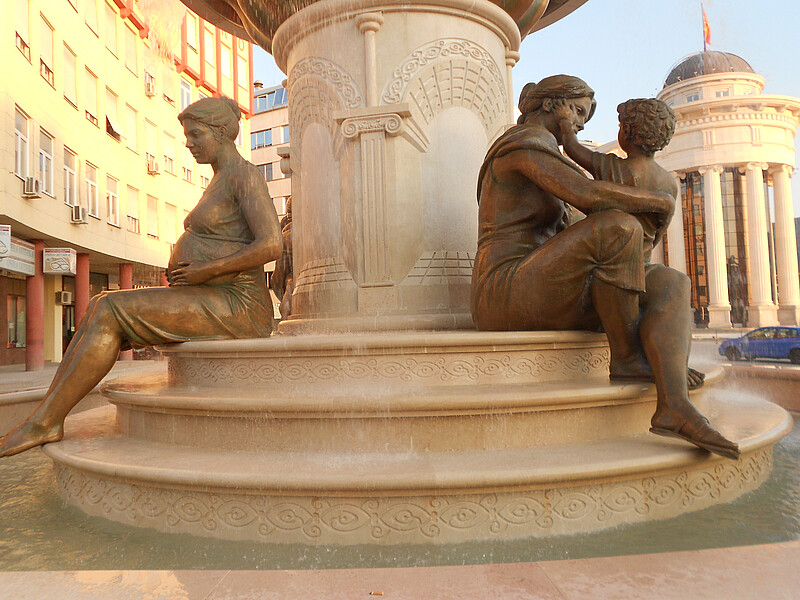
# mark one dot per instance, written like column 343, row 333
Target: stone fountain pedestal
column 408, row 438
column 396, row 434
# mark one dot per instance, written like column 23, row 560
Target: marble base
column 398, row 438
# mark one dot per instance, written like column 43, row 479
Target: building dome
column 707, row 63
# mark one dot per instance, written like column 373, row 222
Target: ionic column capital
column 757, row 166
column 711, row 169
column 678, row 175
column 369, row 21
column 778, row 169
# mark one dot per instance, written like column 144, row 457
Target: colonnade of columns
column 762, row 310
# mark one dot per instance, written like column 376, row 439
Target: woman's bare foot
column 689, row 425
column 29, row 435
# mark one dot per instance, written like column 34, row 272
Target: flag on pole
column 706, row 29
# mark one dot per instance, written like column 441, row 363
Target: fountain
column 380, row 415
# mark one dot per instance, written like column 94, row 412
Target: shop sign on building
column 59, row 261
column 21, row 258
column 5, row 240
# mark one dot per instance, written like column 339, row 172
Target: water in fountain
column 39, row 532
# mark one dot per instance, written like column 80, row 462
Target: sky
column 625, row 49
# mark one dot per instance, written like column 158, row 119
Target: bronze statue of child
column 646, row 125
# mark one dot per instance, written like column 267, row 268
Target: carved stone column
column 761, row 310
column 786, row 248
column 719, row 306
column 392, row 111
column 675, row 239
column 512, row 58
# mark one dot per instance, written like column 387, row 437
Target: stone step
column 350, row 497
column 753, row 423
column 476, row 417
column 286, row 364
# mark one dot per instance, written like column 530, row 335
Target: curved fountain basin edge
column 433, row 471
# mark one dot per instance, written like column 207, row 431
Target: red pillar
column 126, row 283
column 34, row 315
column 81, row 287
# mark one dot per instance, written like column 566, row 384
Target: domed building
column 734, row 236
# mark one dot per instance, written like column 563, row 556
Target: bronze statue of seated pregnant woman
column 536, row 270
column 217, row 288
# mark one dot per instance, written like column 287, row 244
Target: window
column 70, row 86
column 91, row 190
column 242, row 72
column 168, row 80
column 149, row 84
column 131, row 119
column 191, row 31
column 204, row 181
column 70, row 178
column 693, row 97
column 46, row 162
column 240, row 136
column 23, row 26
column 152, row 217
column 112, row 201
column 208, row 42
column 170, row 223
column 112, row 123
column 260, row 139
column 130, row 51
column 285, row 134
column 91, row 96
column 150, row 140
column 15, row 317
column 186, row 94
column 21, row 146
column 187, row 174
column 169, row 154
column 269, row 174
column 46, row 56
column 225, row 61
column 91, row 15
column 111, row 29
column 133, row 209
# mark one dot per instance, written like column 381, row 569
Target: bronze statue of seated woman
column 217, row 288
column 537, row 270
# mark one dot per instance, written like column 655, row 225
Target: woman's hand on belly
column 190, row 273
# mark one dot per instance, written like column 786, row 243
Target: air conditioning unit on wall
column 30, row 188
column 63, row 298
column 79, row 215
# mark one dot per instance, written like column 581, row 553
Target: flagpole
column 703, row 18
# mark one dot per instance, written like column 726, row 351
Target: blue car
column 765, row 342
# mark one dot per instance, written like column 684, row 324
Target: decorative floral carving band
column 465, row 368
column 443, row 518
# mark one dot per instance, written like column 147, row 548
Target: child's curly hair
column 647, row 122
